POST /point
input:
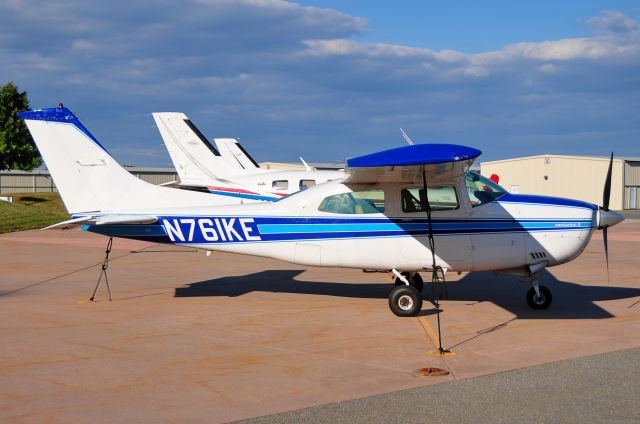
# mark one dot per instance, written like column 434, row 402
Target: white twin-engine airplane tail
column 405, row 210
column 228, row 170
column 233, row 152
column 196, row 160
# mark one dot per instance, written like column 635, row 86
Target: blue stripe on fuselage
column 545, row 201
column 243, row 195
column 225, row 229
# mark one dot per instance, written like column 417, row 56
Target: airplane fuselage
column 504, row 234
column 270, row 185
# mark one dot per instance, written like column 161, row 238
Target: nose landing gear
column 538, row 297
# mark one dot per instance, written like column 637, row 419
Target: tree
column 17, row 149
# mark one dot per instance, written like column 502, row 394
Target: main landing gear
column 413, row 278
column 405, row 299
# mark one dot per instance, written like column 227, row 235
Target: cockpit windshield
column 482, row 190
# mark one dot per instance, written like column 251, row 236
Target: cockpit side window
column 305, row 184
column 482, row 190
column 357, row 202
column 443, row 198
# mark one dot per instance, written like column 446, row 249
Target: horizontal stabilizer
column 103, row 220
column 69, row 224
column 126, row 219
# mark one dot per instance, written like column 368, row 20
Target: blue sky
column 332, row 79
column 474, row 26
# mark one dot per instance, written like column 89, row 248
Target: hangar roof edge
column 579, row 157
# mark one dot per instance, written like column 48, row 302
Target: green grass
column 31, row 210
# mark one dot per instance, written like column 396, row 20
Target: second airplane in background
column 228, row 170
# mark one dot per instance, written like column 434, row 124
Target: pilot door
column 498, row 239
column 448, row 214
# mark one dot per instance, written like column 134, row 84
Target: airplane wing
column 103, row 220
column 405, row 164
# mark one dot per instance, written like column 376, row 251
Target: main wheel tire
column 541, row 302
column 416, row 281
column 405, row 301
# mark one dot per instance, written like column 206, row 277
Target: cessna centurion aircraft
column 405, row 210
column 228, row 170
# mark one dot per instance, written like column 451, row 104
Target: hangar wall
column 575, row 177
column 632, row 184
column 40, row 180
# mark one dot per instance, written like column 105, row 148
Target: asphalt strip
column 597, row 389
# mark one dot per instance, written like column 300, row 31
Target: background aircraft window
column 359, row 202
column 280, row 185
column 482, row 190
column 305, row 184
column 442, row 198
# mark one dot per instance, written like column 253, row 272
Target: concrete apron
column 194, row 338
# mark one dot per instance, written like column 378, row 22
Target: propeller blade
column 606, row 251
column 606, row 194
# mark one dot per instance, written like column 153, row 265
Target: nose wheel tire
column 539, row 302
column 405, row 301
column 416, row 281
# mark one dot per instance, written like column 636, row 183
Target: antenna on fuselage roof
column 406, row 137
column 307, row 167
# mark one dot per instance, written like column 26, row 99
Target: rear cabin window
column 358, row 202
column 305, row 184
column 280, row 185
column 442, row 198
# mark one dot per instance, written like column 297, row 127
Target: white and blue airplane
column 228, row 170
column 402, row 211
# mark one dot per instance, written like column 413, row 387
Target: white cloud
column 613, row 21
column 570, row 49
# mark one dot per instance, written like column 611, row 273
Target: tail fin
column 235, row 154
column 196, row 160
column 87, row 176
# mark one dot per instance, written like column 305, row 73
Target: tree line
column 17, row 149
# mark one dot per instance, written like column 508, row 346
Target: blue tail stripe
column 59, row 114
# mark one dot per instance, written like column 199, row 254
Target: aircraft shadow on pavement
column 570, row 300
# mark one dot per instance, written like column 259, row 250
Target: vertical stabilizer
column 88, row 178
column 196, row 160
column 235, row 154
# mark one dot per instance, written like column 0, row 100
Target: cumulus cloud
column 613, row 21
column 292, row 79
